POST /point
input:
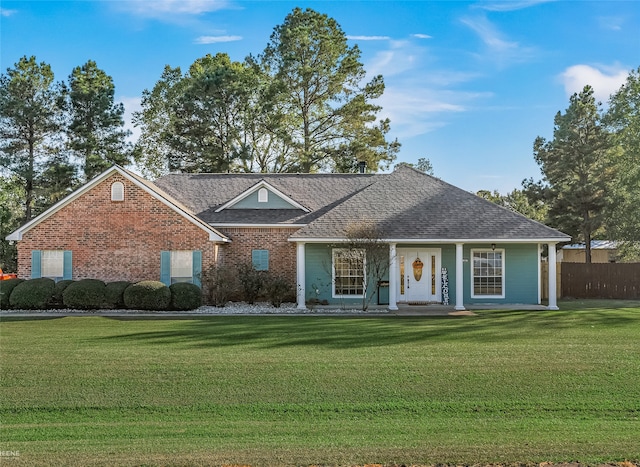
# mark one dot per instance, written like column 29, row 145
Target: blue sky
column 469, row 85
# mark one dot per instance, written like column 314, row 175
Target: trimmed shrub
column 278, row 289
column 147, row 295
column 56, row 299
column 185, row 296
column 220, row 283
column 114, row 294
column 5, row 291
column 85, row 294
column 34, row 294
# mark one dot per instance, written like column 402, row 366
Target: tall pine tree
column 577, row 169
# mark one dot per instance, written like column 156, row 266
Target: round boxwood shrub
column 114, row 294
column 34, row 294
column 5, row 291
column 85, row 294
column 185, row 296
column 56, row 298
column 147, row 295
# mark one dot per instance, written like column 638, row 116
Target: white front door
column 420, row 278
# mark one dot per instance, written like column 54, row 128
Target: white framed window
column 181, row 266
column 349, row 273
column 263, row 195
column 487, row 273
column 117, row 191
column 52, row 264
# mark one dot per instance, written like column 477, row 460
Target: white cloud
column 368, row 38
column 163, row 8
column 604, row 80
column 6, row 12
column 416, row 109
column 499, row 49
column 216, row 39
column 131, row 104
column 509, row 5
column 611, row 23
column 421, row 36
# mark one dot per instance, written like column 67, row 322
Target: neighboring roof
column 595, row 245
column 410, row 205
column 145, row 185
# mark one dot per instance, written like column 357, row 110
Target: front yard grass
column 500, row 387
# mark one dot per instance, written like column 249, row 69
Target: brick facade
column 282, row 253
column 115, row 240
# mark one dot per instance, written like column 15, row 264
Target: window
column 117, row 191
column 181, row 266
column 263, row 195
column 487, row 273
column 260, row 260
column 348, row 273
column 54, row 264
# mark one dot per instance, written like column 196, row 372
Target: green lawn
column 499, row 387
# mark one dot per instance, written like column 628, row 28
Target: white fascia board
column 256, row 187
column 434, row 240
column 258, row 226
column 17, row 235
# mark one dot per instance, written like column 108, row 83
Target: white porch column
column 393, row 277
column 459, row 278
column 300, row 275
column 553, row 305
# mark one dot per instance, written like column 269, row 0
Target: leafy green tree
column 577, row 169
column 521, row 201
column 11, row 199
column 30, row 122
column 95, row 131
column 209, row 116
column 623, row 120
column 423, row 165
column 331, row 118
column 152, row 151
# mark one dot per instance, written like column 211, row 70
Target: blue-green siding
column 521, row 273
column 274, row 202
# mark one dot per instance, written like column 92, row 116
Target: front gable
column 262, row 196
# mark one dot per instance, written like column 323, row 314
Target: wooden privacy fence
column 544, row 280
column 601, row 280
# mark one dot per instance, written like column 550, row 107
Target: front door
column 419, row 275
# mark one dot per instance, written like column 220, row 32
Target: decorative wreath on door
column 417, row 269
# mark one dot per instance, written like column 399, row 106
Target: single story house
column 441, row 242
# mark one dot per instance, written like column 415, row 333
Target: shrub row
column 224, row 283
column 91, row 294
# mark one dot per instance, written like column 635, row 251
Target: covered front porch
column 457, row 275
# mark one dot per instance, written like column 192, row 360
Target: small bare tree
column 365, row 244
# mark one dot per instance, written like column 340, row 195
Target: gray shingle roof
column 405, row 204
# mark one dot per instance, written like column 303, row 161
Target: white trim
column 300, row 276
column 256, row 187
column 447, row 241
column 333, row 274
column 459, row 277
column 553, row 299
column 539, row 274
column 213, row 234
column 394, row 272
column 259, row 226
column 502, row 268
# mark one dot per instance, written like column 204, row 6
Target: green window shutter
column 260, row 260
column 197, row 268
column 36, row 264
column 67, row 266
column 165, row 267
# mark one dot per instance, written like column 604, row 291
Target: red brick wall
column 115, row 240
column 282, row 253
